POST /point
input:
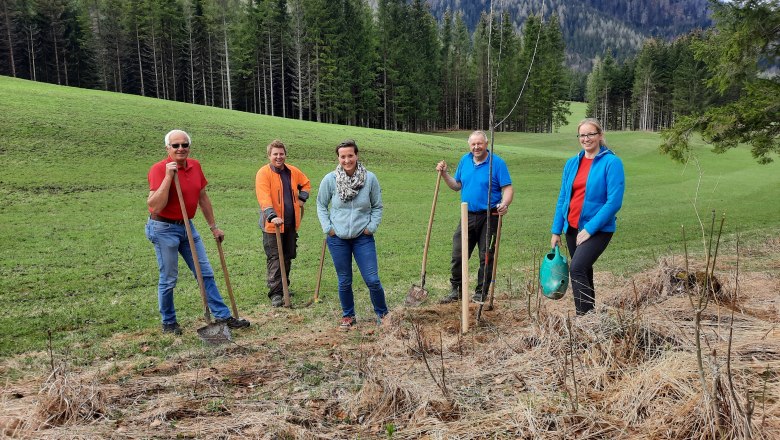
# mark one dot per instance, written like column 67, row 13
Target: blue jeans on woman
column 169, row 240
column 363, row 248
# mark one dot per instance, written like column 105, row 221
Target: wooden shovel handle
column 319, row 271
column 227, row 278
column 196, row 261
column 428, row 232
column 283, row 267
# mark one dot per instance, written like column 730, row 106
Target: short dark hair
column 346, row 143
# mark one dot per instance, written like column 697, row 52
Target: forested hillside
column 591, row 27
column 388, row 65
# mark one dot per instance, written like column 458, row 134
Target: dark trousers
column 274, row 270
column 581, row 267
column 477, row 236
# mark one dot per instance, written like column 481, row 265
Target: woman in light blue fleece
column 355, row 200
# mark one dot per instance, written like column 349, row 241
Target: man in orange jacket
column 281, row 190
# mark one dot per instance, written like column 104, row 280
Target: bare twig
column 575, row 402
column 421, row 347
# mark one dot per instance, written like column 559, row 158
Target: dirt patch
column 629, row 370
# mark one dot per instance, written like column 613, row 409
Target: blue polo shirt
column 474, row 181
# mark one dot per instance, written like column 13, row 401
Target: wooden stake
column 464, row 259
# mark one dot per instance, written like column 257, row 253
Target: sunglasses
column 177, row 146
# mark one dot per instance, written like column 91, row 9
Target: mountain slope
column 591, row 27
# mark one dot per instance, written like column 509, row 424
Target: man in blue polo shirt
column 472, row 180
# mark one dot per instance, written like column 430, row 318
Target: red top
column 192, row 182
column 578, row 192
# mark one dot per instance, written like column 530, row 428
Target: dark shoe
column 277, row 300
column 347, row 322
column 232, row 322
column 172, row 328
column 453, row 296
column 478, row 298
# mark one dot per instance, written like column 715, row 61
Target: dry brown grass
column 627, row 371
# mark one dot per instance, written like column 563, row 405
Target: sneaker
column 172, row 328
column 453, row 296
column 277, row 300
column 232, row 322
column 478, row 298
column 381, row 320
column 347, row 322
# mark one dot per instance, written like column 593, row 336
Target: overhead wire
column 492, row 90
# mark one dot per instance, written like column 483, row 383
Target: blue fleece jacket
column 349, row 219
column 603, row 193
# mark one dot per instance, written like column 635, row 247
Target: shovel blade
column 416, row 296
column 215, row 334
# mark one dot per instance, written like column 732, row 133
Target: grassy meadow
column 75, row 262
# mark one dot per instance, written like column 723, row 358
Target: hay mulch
column 629, row 370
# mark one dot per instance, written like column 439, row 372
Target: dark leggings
column 581, row 267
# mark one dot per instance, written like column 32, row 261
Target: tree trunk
column 227, row 64
column 173, row 67
column 211, row 72
column 10, row 40
column 271, row 72
column 154, row 66
column 283, row 94
column 317, row 81
column 140, row 64
column 56, row 55
column 192, row 66
column 118, row 69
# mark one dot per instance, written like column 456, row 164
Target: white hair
column 479, row 133
column 172, row 132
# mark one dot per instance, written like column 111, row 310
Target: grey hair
column 479, row 132
column 594, row 122
column 172, row 132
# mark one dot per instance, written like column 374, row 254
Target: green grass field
column 75, row 260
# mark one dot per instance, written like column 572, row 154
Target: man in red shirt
column 166, row 230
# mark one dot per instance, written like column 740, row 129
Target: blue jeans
column 363, row 248
column 169, row 240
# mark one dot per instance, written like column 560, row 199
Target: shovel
column 213, row 333
column 282, row 266
column 493, row 270
column 316, row 298
column 417, row 294
column 495, row 263
column 227, row 280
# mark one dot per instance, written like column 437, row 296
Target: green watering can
column 554, row 274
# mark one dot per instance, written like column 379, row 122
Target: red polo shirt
column 192, row 182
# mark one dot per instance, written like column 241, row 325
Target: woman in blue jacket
column 355, row 200
column 591, row 194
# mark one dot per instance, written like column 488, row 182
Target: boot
column 453, row 296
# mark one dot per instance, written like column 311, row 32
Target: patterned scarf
column 347, row 186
